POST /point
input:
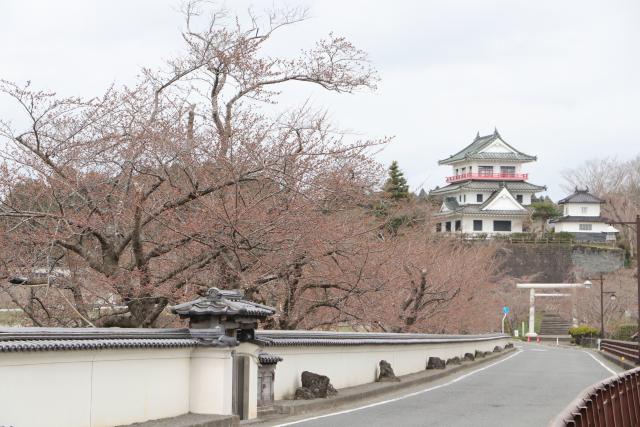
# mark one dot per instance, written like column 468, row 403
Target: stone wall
column 589, row 260
column 537, row 263
column 557, row 262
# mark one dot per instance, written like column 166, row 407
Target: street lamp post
column 637, row 224
column 602, row 294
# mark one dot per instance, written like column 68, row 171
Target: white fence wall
column 100, row 388
column 100, row 378
column 349, row 366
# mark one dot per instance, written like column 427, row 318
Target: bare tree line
column 618, row 183
column 146, row 195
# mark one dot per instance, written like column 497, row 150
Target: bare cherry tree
column 188, row 179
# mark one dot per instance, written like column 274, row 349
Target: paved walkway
column 526, row 388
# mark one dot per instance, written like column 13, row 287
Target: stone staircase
column 553, row 326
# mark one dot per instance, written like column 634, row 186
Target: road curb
column 191, row 420
column 345, row 396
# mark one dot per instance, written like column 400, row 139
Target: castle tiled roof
column 451, row 203
column 321, row 338
column 472, row 151
column 476, row 210
column 51, row 339
column 581, row 196
column 569, row 218
column 269, row 359
column 222, row 302
column 488, row 186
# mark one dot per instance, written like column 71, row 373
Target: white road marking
column 536, row 349
column 460, row 378
column 600, row 362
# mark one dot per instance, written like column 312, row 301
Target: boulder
column 469, row 357
column 497, row 349
column 510, row 345
column 435, row 363
column 303, row 394
column 454, row 361
column 314, row 386
column 480, row 353
column 386, row 373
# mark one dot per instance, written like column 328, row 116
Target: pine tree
column 544, row 209
column 396, row 186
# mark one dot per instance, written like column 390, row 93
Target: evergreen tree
column 544, row 209
column 396, row 186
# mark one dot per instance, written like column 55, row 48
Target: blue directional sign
column 505, row 309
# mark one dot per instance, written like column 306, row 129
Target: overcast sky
column 559, row 79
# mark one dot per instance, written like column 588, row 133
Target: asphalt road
column 527, row 388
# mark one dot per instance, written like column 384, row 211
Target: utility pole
column 601, row 306
column 602, row 294
column 637, row 224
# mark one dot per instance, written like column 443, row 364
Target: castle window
column 447, row 226
column 585, row 210
column 479, row 198
column 458, row 225
column 519, row 198
column 501, row 225
column 585, row 227
column 508, row 170
column 485, row 170
column 477, row 225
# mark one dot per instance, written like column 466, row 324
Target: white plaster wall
column 475, row 166
column 467, row 225
column 348, row 366
column 504, row 201
column 574, row 227
column 211, row 381
column 472, row 197
column 575, row 209
column 526, row 198
column 487, row 225
column 93, row 388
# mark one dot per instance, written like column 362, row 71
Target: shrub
column 624, row 332
column 579, row 332
column 526, row 237
column 562, row 236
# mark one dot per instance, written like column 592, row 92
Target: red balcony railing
column 489, row 176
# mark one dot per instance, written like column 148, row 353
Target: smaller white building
column 581, row 215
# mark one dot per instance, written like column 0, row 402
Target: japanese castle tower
column 487, row 191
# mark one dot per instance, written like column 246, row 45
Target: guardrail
column 612, row 402
column 626, row 349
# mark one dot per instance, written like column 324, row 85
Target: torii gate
column 533, row 295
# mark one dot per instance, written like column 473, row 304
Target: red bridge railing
column 612, row 402
column 489, row 176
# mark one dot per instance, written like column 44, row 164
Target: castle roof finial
column 477, row 135
column 495, row 131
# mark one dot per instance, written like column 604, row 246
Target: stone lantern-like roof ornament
column 225, row 311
